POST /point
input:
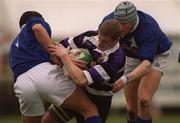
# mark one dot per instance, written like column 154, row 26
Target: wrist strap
column 125, row 79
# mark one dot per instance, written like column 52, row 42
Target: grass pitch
column 113, row 118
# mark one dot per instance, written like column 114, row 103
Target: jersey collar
column 109, row 51
column 135, row 26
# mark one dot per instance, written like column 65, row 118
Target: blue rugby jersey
column 107, row 66
column 26, row 51
column 146, row 40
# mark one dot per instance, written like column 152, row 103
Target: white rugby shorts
column 42, row 83
column 159, row 63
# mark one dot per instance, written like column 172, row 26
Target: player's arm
column 140, row 71
column 42, row 35
column 44, row 39
column 74, row 72
column 146, row 53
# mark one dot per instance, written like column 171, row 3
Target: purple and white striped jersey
column 107, row 66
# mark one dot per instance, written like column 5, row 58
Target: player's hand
column 56, row 60
column 58, row 50
column 118, row 85
column 80, row 63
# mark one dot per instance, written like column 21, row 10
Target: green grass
column 113, row 118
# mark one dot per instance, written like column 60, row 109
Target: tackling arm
column 140, row 70
column 42, row 35
column 74, row 72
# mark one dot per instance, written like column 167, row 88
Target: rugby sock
column 132, row 115
column 93, row 119
column 140, row 120
column 128, row 121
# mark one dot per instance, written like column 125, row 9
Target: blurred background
column 71, row 17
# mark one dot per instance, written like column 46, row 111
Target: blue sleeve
column 148, row 49
column 107, row 17
column 39, row 20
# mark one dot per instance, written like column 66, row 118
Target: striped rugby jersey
column 107, row 66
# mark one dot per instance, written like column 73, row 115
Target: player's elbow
column 37, row 27
column 81, row 83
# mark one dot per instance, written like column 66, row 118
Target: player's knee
column 144, row 103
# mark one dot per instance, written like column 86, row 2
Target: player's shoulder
column 109, row 16
column 118, row 56
column 90, row 33
column 36, row 20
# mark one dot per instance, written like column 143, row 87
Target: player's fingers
column 56, row 43
column 76, row 53
column 50, row 46
column 116, row 87
column 51, row 51
column 68, row 48
column 81, row 64
column 83, row 67
column 115, row 90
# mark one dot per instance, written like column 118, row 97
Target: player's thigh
column 80, row 102
column 131, row 90
column 131, row 93
column 149, row 84
column 30, row 101
column 103, row 105
column 104, row 110
column 52, row 85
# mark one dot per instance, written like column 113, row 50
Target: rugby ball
column 83, row 54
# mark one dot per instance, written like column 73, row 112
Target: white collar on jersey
column 23, row 26
column 109, row 51
column 135, row 26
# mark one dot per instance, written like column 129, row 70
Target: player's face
column 126, row 28
column 105, row 42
